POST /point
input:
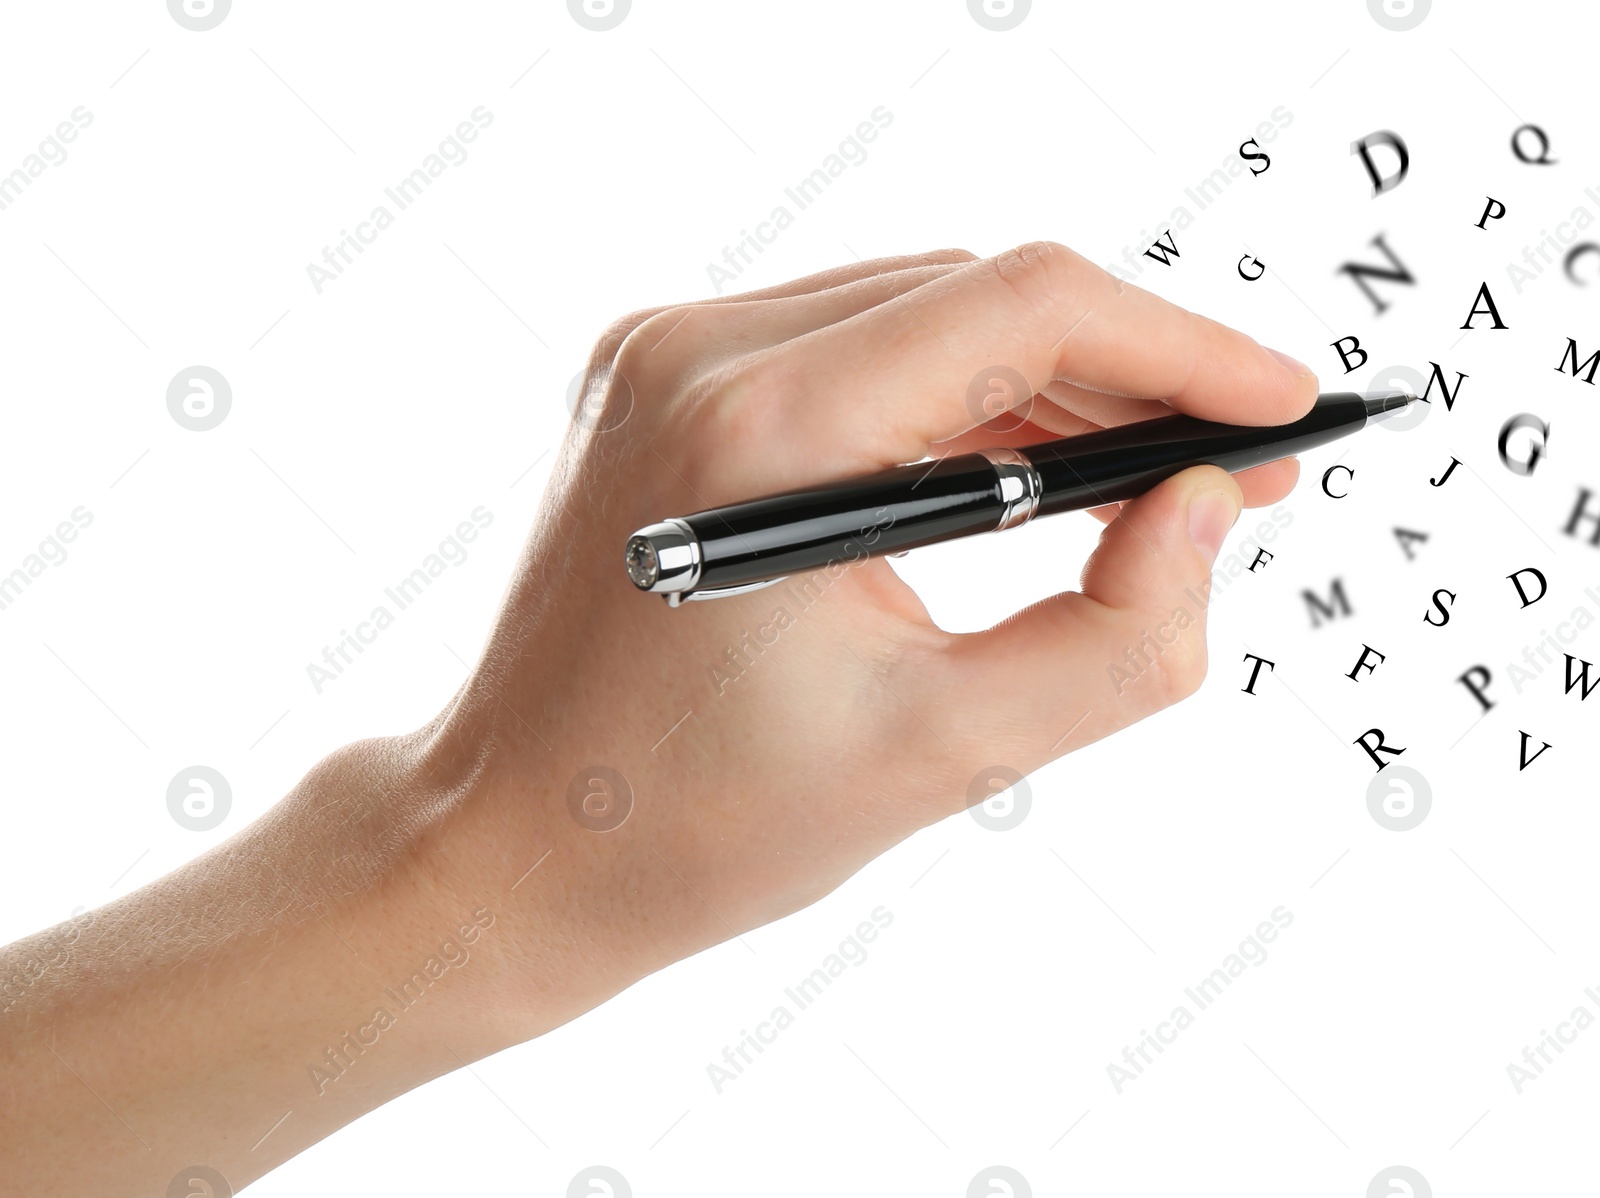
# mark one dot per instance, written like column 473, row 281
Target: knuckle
column 675, row 345
column 637, row 351
column 1035, row 271
column 726, row 408
column 617, row 332
column 1180, row 668
column 724, row 402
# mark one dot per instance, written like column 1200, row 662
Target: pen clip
column 674, row 598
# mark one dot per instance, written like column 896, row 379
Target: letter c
column 1576, row 252
column 1327, row 473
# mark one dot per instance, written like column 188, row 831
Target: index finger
column 884, row 385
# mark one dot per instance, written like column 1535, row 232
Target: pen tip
column 1387, row 401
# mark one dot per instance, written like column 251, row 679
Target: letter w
column 1159, row 251
column 1581, row 680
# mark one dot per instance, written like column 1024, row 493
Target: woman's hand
column 617, row 784
column 740, row 758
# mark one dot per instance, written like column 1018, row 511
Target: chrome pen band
column 664, row 558
column 1020, row 486
column 667, row 558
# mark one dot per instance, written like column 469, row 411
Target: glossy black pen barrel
column 1121, row 463
column 896, row 509
column 800, row 532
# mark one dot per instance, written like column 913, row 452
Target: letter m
column 1590, row 363
column 1336, row 600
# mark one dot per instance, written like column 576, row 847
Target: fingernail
column 1211, row 515
column 1294, row 365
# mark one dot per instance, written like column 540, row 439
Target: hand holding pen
column 616, row 785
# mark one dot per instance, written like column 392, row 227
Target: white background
column 430, row 379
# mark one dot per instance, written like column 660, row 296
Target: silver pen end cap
column 663, row 558
column 644, row 567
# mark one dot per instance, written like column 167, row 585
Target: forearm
column 240, row 1009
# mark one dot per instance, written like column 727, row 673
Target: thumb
column 1082, row 665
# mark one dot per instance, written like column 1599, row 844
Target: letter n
column 1361, row 272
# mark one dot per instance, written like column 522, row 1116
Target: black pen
column 738, row 548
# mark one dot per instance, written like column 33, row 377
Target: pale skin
column 177, row 1025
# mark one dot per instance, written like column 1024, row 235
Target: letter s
column 1427, row 617
column 1259, row 156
